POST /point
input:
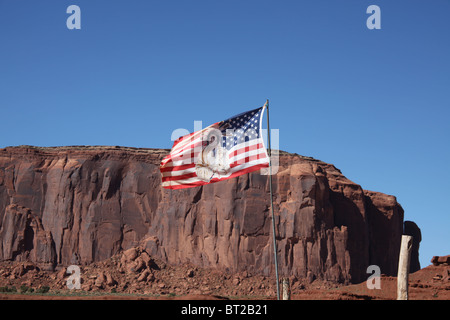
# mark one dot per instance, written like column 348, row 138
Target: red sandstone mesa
column 77, row 205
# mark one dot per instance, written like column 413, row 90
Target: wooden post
column 286, row 289
column 403, row 268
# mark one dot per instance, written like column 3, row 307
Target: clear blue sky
column 375, row 103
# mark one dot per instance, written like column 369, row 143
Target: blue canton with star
column 241, row 128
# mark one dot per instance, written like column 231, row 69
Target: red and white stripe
column 178, row 168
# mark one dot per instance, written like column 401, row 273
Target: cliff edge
column 81, row 204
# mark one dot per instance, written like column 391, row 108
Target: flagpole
column 271, row 202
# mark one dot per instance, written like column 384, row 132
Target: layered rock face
column 77, row 205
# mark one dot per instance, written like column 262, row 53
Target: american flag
column 224, row 150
